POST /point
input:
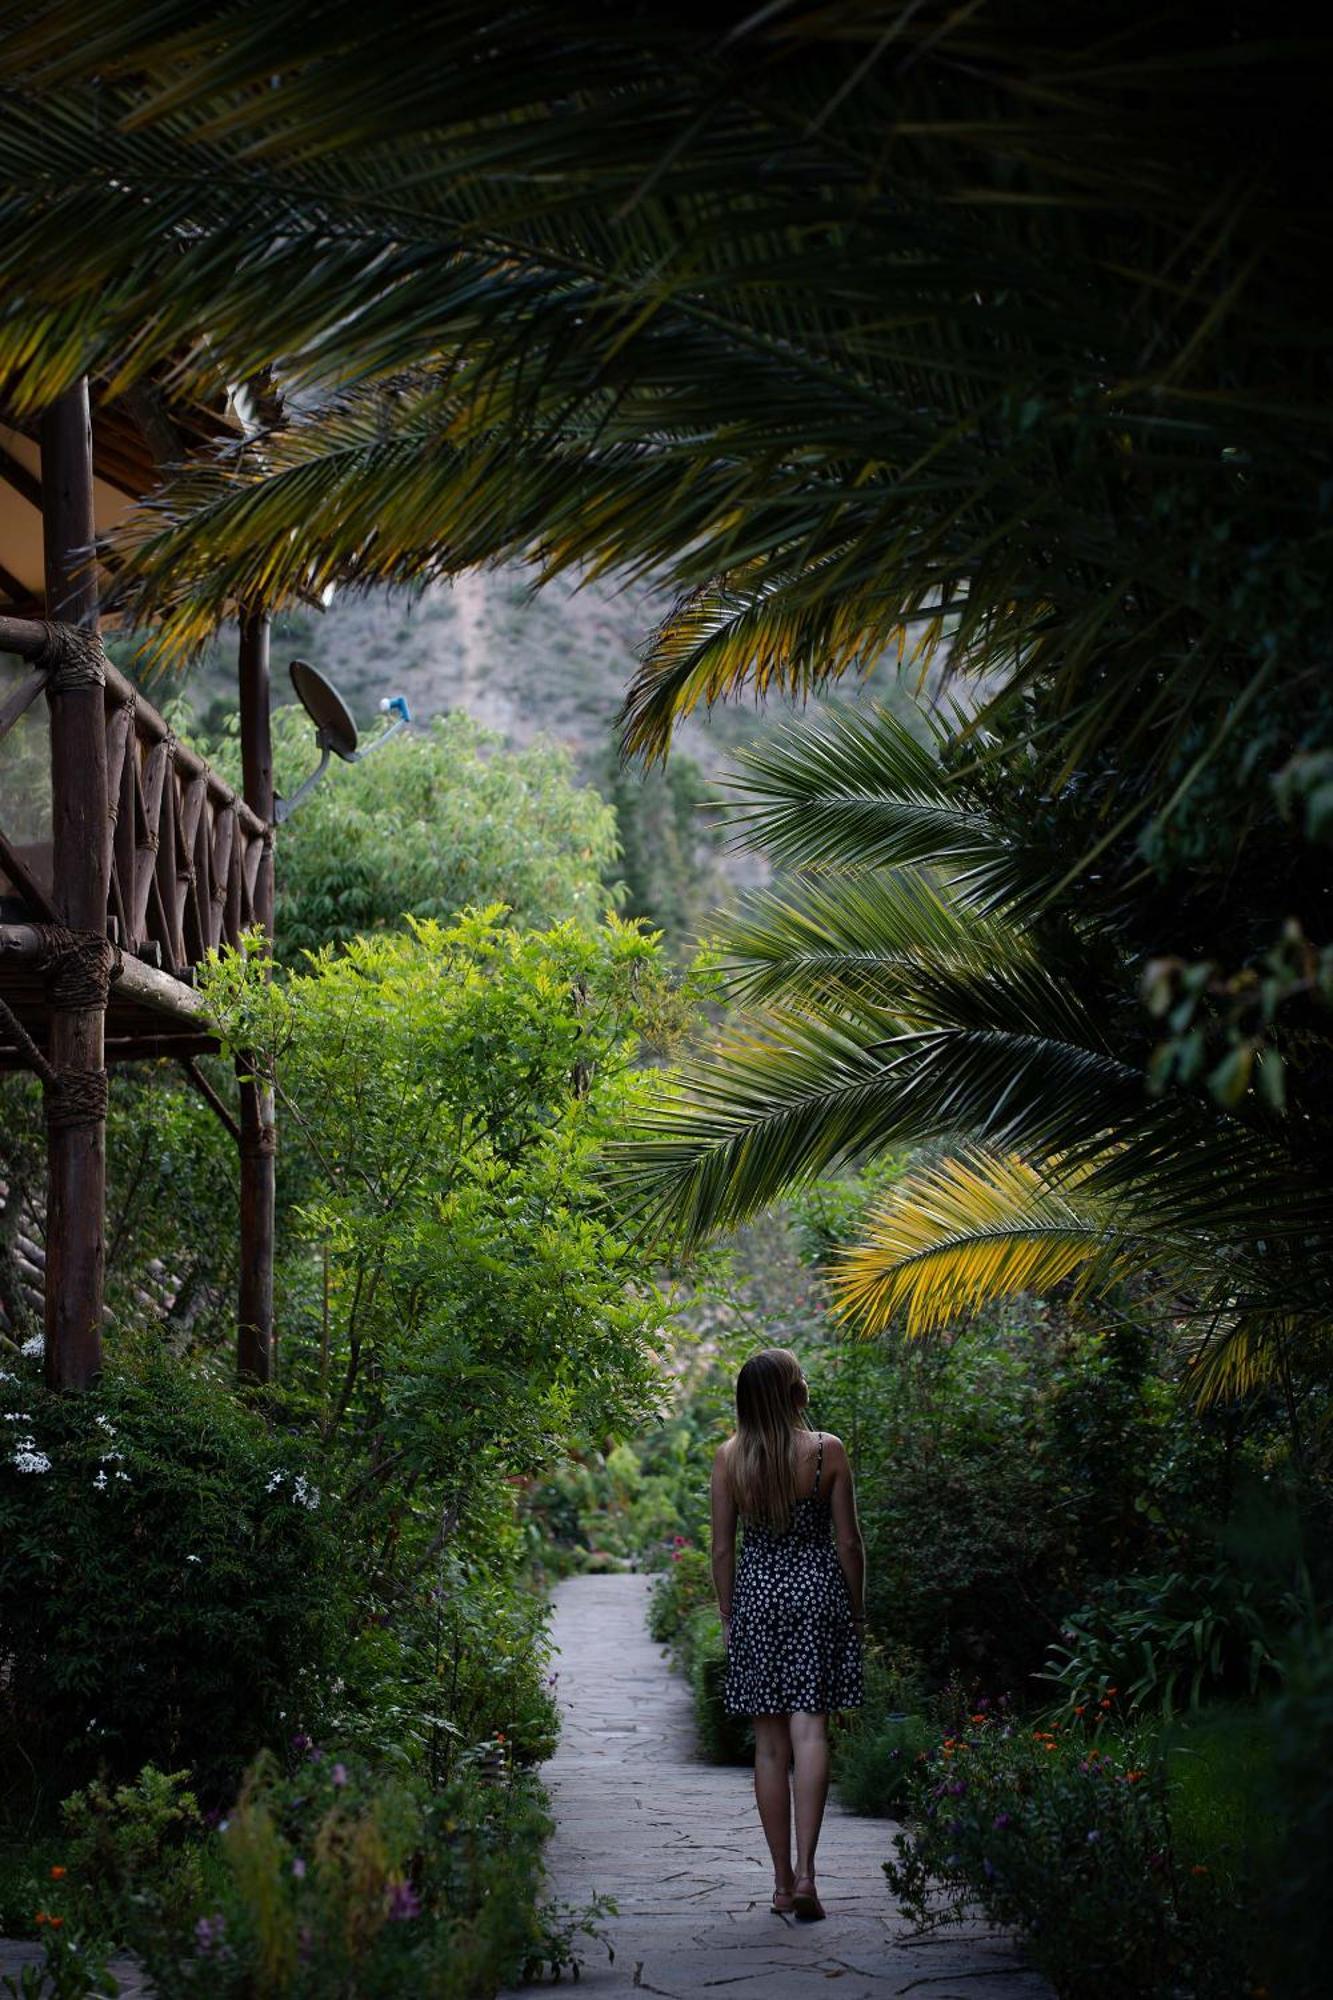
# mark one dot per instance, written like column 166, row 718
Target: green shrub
column 1069, row 1840
column 723, row 1738
column 1301, row 1907
column 678, row 1593
column 328, row 1882
column 169, row 1578
column 1168, row 1641
column 465, row 1656
column 874, row 1764
column 874, row 1746
column 118, row 1841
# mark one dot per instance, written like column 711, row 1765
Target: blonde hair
column 770, row 1409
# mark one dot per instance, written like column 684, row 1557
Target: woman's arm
column 724, row 1535
column 846, row 1527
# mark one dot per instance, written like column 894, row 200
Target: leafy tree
column 446, row 1092
column 438, row 819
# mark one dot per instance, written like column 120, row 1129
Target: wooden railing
column 184, row 851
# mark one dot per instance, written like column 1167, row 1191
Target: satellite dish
column 327, row 710
column 335, row 731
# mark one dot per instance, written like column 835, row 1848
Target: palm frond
column 835, row 396
column 950, row 1239
column 869, row 940
column 855, row 790
column 796, row 1095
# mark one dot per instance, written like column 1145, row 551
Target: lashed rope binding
column 72, row 658
column 81, row 966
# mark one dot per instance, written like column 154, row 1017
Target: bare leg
column 772, row 1791
column 809, row 1739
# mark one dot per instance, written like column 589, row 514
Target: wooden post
column 81, row 828
column 258, row 1144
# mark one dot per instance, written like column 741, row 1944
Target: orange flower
column 1198, row 1869
column 1079, row 1710
column 1113, row 1690
column 976, row 1718
column 41, row 1918
column 1049, row 1747
column 499, row 1736
column 1132, row 1777
column 56, row 1922
column 58, row 1874
column 1105, row 1702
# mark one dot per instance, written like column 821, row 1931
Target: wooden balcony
column 184, row 854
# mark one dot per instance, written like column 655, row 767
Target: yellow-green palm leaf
column 951, row 1238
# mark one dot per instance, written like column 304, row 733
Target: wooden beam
column 24, row 880
column 258, row 1133
column 210, row 1096
column 76, row 1138
column 20, row 701
column 25, row 483
column 141, row 984
column 17, row 589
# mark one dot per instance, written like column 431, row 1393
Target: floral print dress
column 793, row 1646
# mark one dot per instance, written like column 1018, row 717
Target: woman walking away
column 792, row 1609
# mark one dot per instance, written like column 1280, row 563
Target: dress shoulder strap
column 819, row 1467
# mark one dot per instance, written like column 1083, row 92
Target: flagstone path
column 676, row 1843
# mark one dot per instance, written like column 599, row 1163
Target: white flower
column 6, row 1375
column 31, row 1461
column 105, row 1424
column 193, row 1559
column 34, row 1347
column 99, row 1483
column 274, row 1480
column 16, row 1417
column 304, row 1493
column 125, row 1476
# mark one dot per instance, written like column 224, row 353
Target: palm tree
column 915, row 983
column 995, row 330
column 875, row 324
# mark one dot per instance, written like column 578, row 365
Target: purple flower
column 955, row 1826
column 298, row 1869
column 404, row 1903
column 1093, row 1837
column 339, row 1774
column 956, row 1789
column 301, row 1741
column 210, row 1931
column 989, row 1869
column 1002, row 1820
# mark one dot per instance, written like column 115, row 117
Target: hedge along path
column 676, row 1843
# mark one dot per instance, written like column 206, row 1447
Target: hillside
column 552, row 663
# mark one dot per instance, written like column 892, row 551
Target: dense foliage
column 1091, row 1844
column 170, row 1585
column 321, row 1879
column 189, row 1579
column 438, row 819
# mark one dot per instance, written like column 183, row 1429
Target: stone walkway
column 677, row 1844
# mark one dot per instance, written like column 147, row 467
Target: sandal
column 783, row 1903
column 806, row 1904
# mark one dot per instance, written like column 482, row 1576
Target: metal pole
column 81, row 829
column 258, row 1139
